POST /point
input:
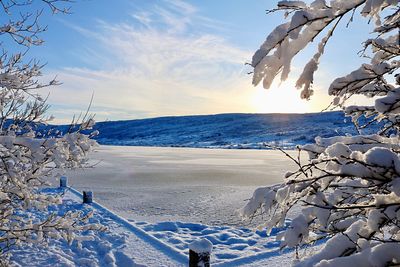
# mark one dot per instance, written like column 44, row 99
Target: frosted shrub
column 28, row 158
column 349, row 189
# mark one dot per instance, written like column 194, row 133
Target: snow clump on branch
column 349, row 188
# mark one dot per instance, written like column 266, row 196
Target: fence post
column 87, row 197
column 63, row 181
column 200, row 253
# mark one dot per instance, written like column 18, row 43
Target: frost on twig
column 28, row 159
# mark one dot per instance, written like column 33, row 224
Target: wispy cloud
column 156, row 64
column 167, row 59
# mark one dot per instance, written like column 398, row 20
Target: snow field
column 171, row 197
column 122, row 244
column 205, row 186
column 229, row 244
column 150, row 244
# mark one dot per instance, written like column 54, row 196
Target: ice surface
column 169, row 184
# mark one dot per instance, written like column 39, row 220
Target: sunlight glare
column 279, row 99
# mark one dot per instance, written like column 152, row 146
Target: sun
column 282, row 99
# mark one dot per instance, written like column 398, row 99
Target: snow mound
column 201, row 246
column 227, row 243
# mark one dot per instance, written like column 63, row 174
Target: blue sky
column 158, row 58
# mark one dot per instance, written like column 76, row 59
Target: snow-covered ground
column 165, row 198
column 126, row 243
column 119, row 245
column 179, row 184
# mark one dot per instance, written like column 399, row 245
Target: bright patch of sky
column 172, row 57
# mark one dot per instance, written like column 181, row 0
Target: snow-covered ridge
column 225, row 130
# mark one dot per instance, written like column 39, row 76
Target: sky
column 142, row 59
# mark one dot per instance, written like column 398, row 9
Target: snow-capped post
column 87, row 197
column 63, row 181
column 200, row 253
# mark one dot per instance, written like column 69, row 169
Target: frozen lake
column 179, row 184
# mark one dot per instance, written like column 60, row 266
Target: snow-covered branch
column 29, row 159
column 349, row 189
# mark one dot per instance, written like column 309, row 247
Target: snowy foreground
column 166, row 198
column 127, row 243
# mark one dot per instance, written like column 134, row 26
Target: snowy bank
column 133, row 243
column 122, row 244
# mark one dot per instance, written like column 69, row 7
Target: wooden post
column 63, row 181
column 87, row 197
column 199, row 259
column 200, row 253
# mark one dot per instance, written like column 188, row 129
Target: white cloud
column 156, row 66
column 167, row 61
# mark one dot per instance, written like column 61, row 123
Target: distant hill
column 225, row 130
